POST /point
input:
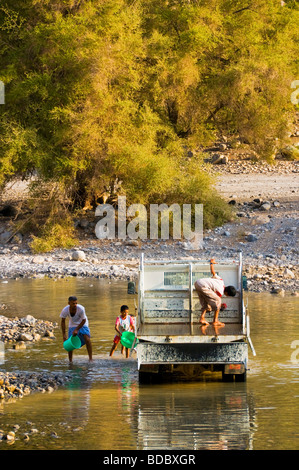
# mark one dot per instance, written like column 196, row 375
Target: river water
column 104, row 407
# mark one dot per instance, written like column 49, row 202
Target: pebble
column 266, row 206
column 33, row 431
column 278, row 290
column 251, row 237
column 38, row 259
column 288, row 273
column 78, row 255
column 19, row 345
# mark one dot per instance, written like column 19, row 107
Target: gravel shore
column 28, row 329
column 267, row 242
column 265, row 202
column 17, row 333
column 19, row 384
column 16, row 385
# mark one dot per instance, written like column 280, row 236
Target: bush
column 54, row 236
column 50, row 222
column 290, row 153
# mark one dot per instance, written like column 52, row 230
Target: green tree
column 104, row 91
column 222, row 66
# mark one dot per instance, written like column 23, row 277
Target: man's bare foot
column 204, row 329
column 204, row 322
column 218, row 323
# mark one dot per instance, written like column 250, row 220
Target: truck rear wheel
column 145, row 377
column 227, row 377
column 230, row 377
column 240, row 377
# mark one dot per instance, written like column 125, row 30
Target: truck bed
column 188, row 330
column 170, row 337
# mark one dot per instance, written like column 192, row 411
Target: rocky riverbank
column 270, row 255
column 15, row 385
column 18, row 333
column 28, row 431
column 19, row 384
column 263, row 197
column 264, row 230
column 21, row 331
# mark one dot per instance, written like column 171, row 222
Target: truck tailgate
column 189, row 333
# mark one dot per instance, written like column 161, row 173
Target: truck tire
column 145, row 377
column 227, row 377
column 240, row 377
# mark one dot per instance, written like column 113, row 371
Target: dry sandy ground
column 240, row 179
column 246, row 181
column 283, row 187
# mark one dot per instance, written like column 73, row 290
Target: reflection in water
column 77, row 408
column 197, row 418
column 127, row 396
column 104, row 407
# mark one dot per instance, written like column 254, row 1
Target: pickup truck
column 171, row 341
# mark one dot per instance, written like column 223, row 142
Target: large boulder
column 78, row 255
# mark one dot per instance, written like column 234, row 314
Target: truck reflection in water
column 207, row 417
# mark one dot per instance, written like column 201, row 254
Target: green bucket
column 128, row 338
column 72, row 343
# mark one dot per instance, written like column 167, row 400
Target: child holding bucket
column 124, row 322
column 78, row 325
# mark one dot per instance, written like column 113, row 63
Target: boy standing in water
column 124, row 322
column 78, row 325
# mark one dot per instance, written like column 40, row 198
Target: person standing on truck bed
column 210, row 291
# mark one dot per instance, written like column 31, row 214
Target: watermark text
column 154, row 224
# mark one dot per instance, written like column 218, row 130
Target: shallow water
column 104, row 407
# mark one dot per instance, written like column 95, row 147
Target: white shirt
column 215, row 283
column 77, row 318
